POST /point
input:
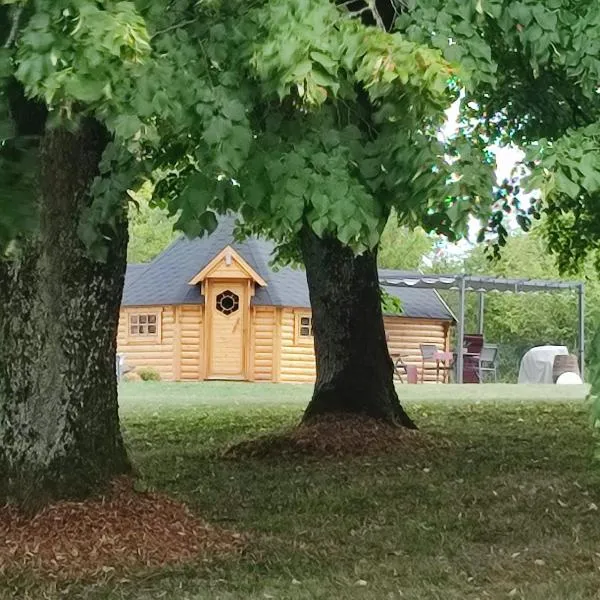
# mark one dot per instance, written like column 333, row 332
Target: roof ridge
column 164, row 280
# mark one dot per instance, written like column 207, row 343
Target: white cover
column 569, row 379
column 537, row 364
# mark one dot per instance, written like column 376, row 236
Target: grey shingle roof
column 164, row 281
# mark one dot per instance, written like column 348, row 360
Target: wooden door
column 227, row 313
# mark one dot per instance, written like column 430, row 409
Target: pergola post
column 460, row 341
column 481, row 309
column 582, row 330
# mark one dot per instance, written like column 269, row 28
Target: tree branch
column 14, row 27
column 376, row 15
column 172, row 27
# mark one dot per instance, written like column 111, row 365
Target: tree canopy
column 299, row 112
column 285, row 112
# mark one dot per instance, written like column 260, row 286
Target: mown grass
column 511, row 510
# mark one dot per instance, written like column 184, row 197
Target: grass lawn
column 512, row 510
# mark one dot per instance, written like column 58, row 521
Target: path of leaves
column 338, row 436
column 123, row 531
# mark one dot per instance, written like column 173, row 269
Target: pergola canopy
column 478, row 283
column 481, row 284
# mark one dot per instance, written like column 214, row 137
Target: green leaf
column 522, row 13
column 370, row 168
column 546, row 19
column 320, row 203
column 86, row 90
column 208, row 221
column 565, row 185
column 234, row 110
column 126, row 126
column 320, row 226
column 325, row 61
column 217, row 131
column 294, row 209
column 240, row 138
column 301, row 70
column 320, row 77
column 295, row 187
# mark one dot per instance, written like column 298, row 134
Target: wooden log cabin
column 213, row 308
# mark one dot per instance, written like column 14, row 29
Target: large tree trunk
column 59, row 424
column 354, row 369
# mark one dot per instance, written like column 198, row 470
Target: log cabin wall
column 265, row 343
column 155, row 348
column 297, row 362
column 191, row 327
column 278, row 351
column 405, row 336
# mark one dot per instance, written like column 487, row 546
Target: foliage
column 594, row 378
column 402, row 248
column 150, row 229
column 390, row 305
column 570, row 194
column 538, row 66
column 148, row 374
column 295, row 113
column 303, row 113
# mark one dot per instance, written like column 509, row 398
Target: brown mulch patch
column 123, row 531
column 339, row 436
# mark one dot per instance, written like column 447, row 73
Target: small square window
column 144, row 325
column 304, row 329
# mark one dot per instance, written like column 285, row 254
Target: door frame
column 209, row 298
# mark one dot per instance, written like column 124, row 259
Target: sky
column 506, row 158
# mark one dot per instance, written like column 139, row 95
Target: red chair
column 473, row 343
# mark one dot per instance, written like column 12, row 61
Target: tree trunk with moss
column 354, row 368
column 59, row 425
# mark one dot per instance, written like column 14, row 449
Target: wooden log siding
column 275, row 354
column 156, row 353
column 297, row 361
column 405, row 336
column 264, row 342
column 191, row 327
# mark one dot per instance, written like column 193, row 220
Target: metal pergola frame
column 482, row 285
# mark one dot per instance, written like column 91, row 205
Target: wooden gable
column 228, row 264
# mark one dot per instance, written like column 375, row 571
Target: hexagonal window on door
column 228, row 302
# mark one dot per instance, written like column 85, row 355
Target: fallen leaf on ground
column 339, row 436
column 120, row 531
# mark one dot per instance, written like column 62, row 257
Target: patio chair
column 410, row 371
column 473, row 342
column 488, row 361
column 122, row 367
column 430, row 353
